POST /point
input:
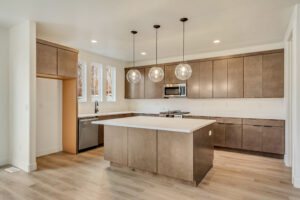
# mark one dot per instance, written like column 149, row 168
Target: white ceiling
column 237, row 23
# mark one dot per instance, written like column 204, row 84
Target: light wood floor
column 87, row 176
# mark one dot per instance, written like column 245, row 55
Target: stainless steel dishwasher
column 88, row 134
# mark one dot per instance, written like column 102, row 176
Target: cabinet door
column 252, row 137
column 220, row 78
column 206, row 74
column 273, row 76
column 219, row 134
column 233, row 136
column 153, row 90
column 193, row 90
column 135, row 91
column 236, row 77
column 253, row 76
column 170, row 77
column 67, row 63
column 273, row 140
column 46, row 59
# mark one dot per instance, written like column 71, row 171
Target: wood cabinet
column 273, row 75
column 252, row 137
column 219, row 132
column 220, row 78
column 46, row 59
column 135, row 90
column 273, row 140
column 67, row 63
column 55, row 61
column 253, row 76
column 235, row 78
column 233, row 135
column 193, row 83
column 153, row 90
column 170, row 77
column 206, row 80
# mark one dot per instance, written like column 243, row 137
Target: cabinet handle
column 209, row 133
column 268, row 126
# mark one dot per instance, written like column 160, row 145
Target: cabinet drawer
column 264, row 122
column 233, row 136
column 252, row 137
column 273, row 140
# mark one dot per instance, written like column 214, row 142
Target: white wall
column 22, row 55
column 4, row 96
column 121, row 103
column 49, row 116
column 256, row 108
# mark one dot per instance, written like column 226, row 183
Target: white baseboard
column 43, row 152
column 296, row 182
column 287, row 161
column 24, row 165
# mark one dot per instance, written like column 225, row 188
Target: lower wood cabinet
column 273, row 140
column 252, row 137
column 233, row 135
column 219, row 134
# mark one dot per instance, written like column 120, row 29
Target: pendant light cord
column 156, row 47
column 183, row 43
column 133, row 51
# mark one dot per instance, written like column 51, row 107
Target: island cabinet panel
column 115, row 144
column 46, row 59
column 220, row 78
column 175, row 155
column 273, row 75
column 193, row 83
column 273, row 140
column 236, row 78
column 253, row 76
column 142, row 149
column 233, row 136
column 135, row 90
column 252, row 137
column 170, row 77
column 153, row 90
column 206, row 80
column 67, row 63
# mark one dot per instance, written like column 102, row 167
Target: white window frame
column 114, row 84
column 99, row 97
column 83, row 98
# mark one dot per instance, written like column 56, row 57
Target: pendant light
column 183, row 71
column 156, row 74
column 133, row 75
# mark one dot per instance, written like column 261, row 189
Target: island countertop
column 158, row 123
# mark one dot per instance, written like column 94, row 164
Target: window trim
column 84, row 84
column 99, row 97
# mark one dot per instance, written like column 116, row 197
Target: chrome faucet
column 96, row 107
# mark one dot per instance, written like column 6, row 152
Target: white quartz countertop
column 158, row 123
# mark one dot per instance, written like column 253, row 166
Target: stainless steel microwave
column 174, row 90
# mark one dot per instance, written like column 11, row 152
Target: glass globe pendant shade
column 183, row 71
column 156, row 74
column 133, row 76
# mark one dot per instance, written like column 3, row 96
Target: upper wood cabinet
column 46, row 59
column 220, row 78
column 170, row 77
column 193, row 83
column 153, row 90
column 273, row 75
column 67, row 63
column 253, row 76
column 135, row 90
column 205, row 79
column 235, row 78
column 55, row 61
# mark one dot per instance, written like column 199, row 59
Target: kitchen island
column 173, row 147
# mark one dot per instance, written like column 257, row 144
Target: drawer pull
column 209, row 133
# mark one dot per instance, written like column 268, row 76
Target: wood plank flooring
column 87, row 176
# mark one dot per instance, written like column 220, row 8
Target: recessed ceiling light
column 94, row 41
column 217, row 41
column 143, row 53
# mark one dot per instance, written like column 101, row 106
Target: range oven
column 174, row 90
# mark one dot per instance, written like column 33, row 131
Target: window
column 81, row 81
column 110, row 83
column 96, row 82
